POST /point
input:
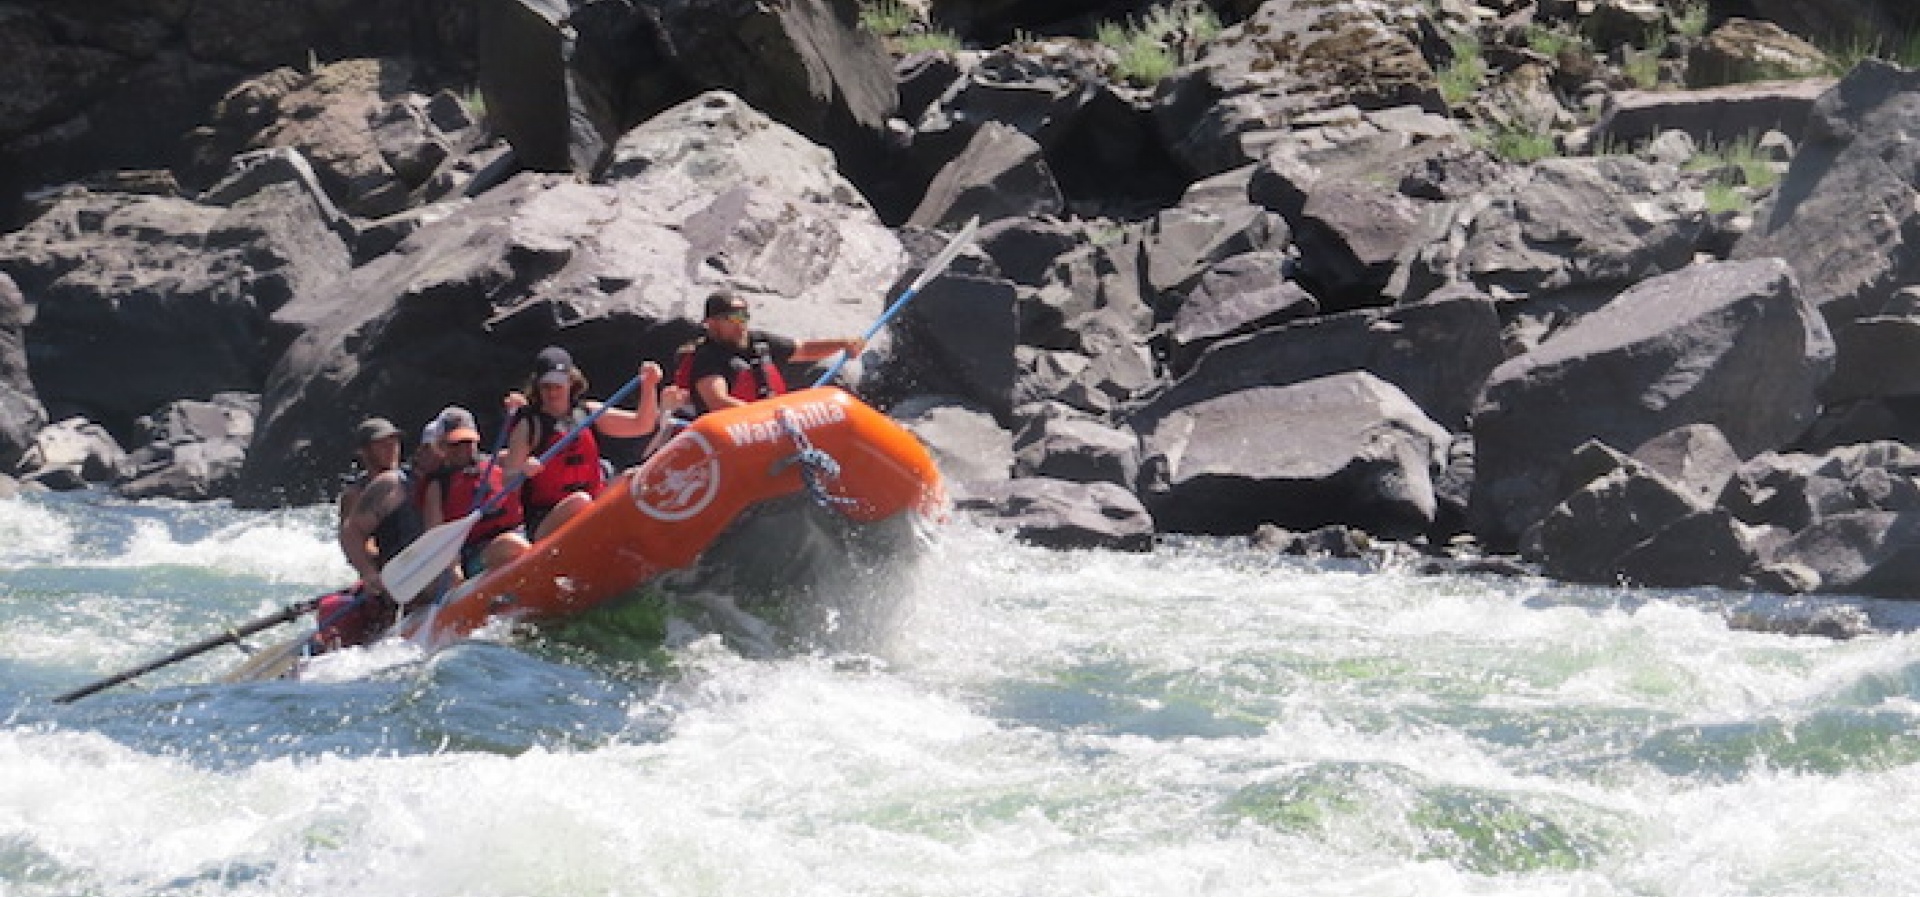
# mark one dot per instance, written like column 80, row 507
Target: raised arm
column 818, row 349
column 623, row 424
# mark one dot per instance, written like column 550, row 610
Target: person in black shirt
column 733, row 365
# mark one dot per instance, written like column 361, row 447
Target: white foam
column 31, row 534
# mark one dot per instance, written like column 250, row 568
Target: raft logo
column 680, row 481
column 806, row 416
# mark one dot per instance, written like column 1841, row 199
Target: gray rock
column 1438, row 352
column 1841, row 214
column 1061, row 515
column 1346, row 448
column 191, row 450
column 1731, row 344
column 1237, row 296
column 966, row 442
column 1001, row 174
column 72, row 450
column 1583, row 538
column 1860, row 552
column 1077, row 450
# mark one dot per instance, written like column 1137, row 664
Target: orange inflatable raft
column 664, row 514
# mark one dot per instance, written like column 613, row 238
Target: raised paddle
column 933, row 269
column 231, row 636
column 425, row 558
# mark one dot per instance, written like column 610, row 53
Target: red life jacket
column 575, row 470
column 347, row 618
column 460, row 494
column 752, row 382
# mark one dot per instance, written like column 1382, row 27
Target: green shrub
column 1517, row 143
column 940, row 40
column 1843, row 55
column 1148, row 50
column 1723, row 197
column 887, row 18
column 1463, row 75
column 1742, row 153
column 1690, row 19
column 1643, row 66
column 1549, row 42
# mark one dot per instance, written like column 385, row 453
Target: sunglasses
column 465, row 442
column 739, row 317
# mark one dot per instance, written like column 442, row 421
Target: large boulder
column 1290, row 59
column 970, row 447
column 1244, row 294
column 1558, row 225
column 191, row 450
column 1000, row 174
column 1732, row 344
column 709, row 195
column 1860, row 552
column 1715, row 116
column 1437, row 352
column 1846, row 212
column 1346, row 448
column 569, row 78
column 71, row 453
column 956, row 336
column 174, row 293
column 376, row 144
column 1061, row 515
column 21, row 414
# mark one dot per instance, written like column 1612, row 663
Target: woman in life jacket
column 555, row 491
column 465, row 480
column 731, row 365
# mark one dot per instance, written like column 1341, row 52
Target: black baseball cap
column 553, row 360
column 724, row 303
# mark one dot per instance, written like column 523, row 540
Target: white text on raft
column 806, row 417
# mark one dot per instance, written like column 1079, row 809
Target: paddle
column 230, row 636
column 933, row 269
column 423, row 560
column 493, row 457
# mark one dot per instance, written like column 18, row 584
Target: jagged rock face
column 90, row 85
column 375, row 143
column 710, row 194
column 176, row 291
column 1560, row 224
column 566, row 79
column 1292, row 58
column 1846, row 213
column 1438, row 353
column 1836, row 20
column 1731, row 344
column 1343, row 448
column 1061, row 514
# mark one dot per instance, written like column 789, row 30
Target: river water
column 1204, row 720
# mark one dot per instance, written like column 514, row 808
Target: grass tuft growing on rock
column 1463, row 75
column 1154, row 46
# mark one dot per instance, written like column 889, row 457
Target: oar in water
column 231, row 636
column 423, row 560
column 933, row 270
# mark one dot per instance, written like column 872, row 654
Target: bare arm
column 623, row 424
column 713, row 393
column 519, row 460
column 435, row 511
column 362, row 515
column 817, row 349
